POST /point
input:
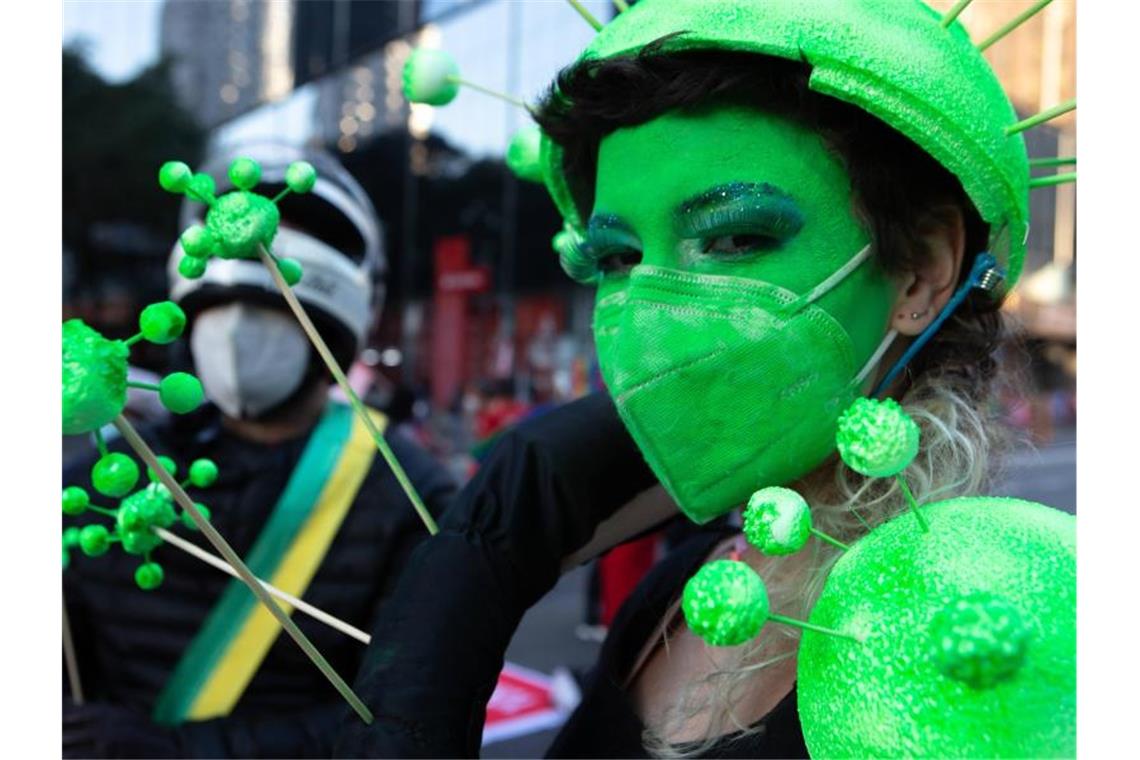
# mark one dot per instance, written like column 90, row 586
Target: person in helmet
column 779, row 203
column 190, row 669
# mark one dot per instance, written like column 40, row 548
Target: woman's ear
column 926, row 289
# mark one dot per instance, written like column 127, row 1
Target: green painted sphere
column 245, row 173
column 291, row 270
column 201, row 186
column 167, row 463
column 188, row 521
column 877, row 438
column 725, row 603
column 75, row 500
column 197, row 241
column 94, row 540
column 429, row 77
column 148, row 576
column 115, row 475
column 174, row 176
column 71, row 536
column 94, row 378
column 241, row 221
column 181, row 392
column 139, row 514
column 162, row 322
column 203, row 473
column 890, row 696
column 777, row 521
column 191, row 268
column 300, row 176
column 523, row 152
column 980, row 639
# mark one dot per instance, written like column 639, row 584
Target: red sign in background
column 522, row 703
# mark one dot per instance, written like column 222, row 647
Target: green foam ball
column 94, row 378
column 197, row 241
column 300, row 176
column 188, row 521
column 523, row 153
column 897, row 694
column 148, row 576
column 75, row 500
column 162, row 322
column 174, row 176
column 139, row 514
column 201, row 187
column 167, row 463
column 71, row 536
column 180, row 392
column 115, row 475
column 430, row 76
column 725, row 603
column 191, row 268
column 94, row 540
column 203, row 473
column 245, row 173
column 877, row 438
column 290, row 270
column 240, row 222
column 777, row 521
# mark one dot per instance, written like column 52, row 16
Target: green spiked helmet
column 892, row 58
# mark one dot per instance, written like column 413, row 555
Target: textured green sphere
column 148, row 576
column 245, row 173
column 191, row 268
column 167, row 463
column 71, row 536
column 94, row 540
column 429, row 77
column 877, row 438
column 188, row 521
column 75, row 500
column 725, row 603
column 174, row 176
column 980, row 640
column 241, row 221
column 300, row 176
column 201, row 186
column 522, row 153
column 203, row 473
column 890, row 696
column 777, row 521
column 291, row 270
column 115, row 475
column 180, row 392
column 138, row 514
column 162, row 322
column 94, row 378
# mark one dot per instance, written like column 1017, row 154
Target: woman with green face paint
column 762, row 254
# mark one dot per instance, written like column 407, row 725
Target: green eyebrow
column 739, row 202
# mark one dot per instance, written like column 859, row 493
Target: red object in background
column 455, row 280
column 521, row 704
column 620, row 570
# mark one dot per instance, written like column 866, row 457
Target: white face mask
column 249, row 358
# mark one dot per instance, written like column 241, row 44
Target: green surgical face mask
column 738, row 312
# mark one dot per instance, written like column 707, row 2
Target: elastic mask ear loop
column 836, row 277
column 985, row 274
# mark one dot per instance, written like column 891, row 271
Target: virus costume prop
column 945, row 631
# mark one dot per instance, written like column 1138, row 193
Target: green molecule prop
column 725, row 603
column 239, row 223
column 431, row 77
column 523, row 153
column 95, row 370
column 139, row 512
column 777, row 521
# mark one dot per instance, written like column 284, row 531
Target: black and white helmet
column 333, row 231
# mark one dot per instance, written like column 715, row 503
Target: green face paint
column 733, row 316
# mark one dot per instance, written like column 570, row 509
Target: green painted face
column 731, row 217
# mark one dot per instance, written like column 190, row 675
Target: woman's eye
column 730, row 245
column 619, row 262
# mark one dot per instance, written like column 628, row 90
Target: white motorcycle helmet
column 333, row 231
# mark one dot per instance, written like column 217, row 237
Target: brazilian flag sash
column 236, row 636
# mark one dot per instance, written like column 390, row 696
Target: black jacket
column 129, row 640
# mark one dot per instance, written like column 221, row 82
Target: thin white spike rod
column 954, row 12
column 1017, row 21
column 1041, row 118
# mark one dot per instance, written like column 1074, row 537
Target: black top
column 130, row 640
column 606, row 724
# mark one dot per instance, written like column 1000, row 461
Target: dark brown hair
column 899, row 191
